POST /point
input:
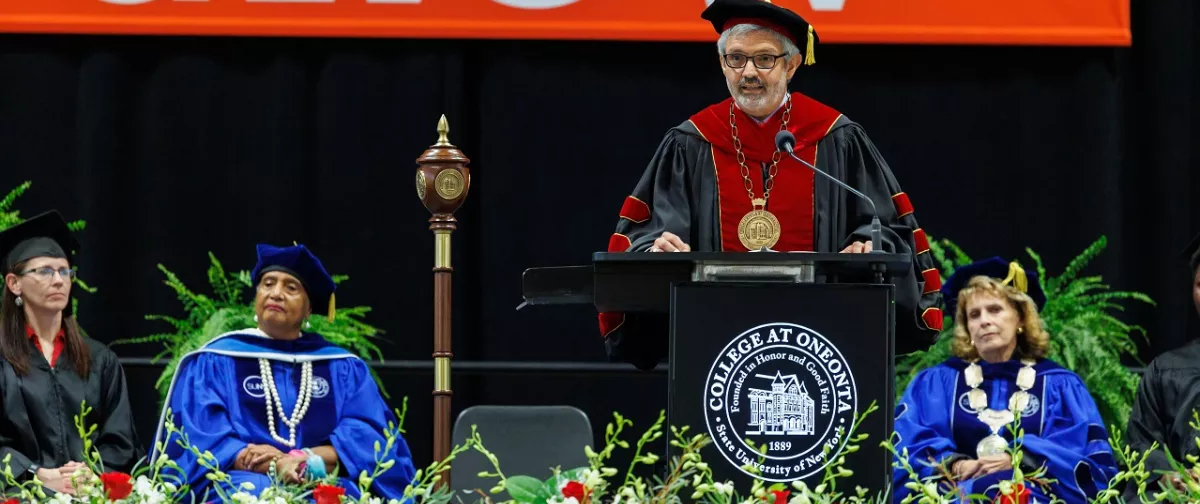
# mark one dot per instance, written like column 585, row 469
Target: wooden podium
column 775, row 349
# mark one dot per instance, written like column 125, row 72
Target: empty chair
column 528, row 440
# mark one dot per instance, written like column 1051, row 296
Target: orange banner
column 1039, row 22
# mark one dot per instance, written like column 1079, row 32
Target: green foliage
column 230, row 309
column 1085, row 335
column 10, row 217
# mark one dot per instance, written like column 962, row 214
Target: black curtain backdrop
column 174, row 147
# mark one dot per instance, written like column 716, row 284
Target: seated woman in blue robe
column 276, row 397
column 955, row 418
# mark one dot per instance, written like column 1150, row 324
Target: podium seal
column 785, row 388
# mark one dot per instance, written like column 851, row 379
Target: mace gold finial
column 443, row 129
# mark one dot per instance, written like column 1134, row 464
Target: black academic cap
column 1191, row 254
column 301, row 263
column 45, row 235
column 725, row 14
column 1008, row 273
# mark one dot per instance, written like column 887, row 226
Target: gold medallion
column 448, row 184
column 759, row 229
column 421, row 185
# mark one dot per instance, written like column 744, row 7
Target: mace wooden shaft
column 442, row 181
column 442, row 227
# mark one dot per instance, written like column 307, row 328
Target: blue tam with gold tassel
column 299, row 262
column 1007, row 272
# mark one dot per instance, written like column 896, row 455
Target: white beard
column 760, row 104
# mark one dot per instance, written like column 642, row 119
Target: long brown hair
column 1033, row 342
column 14, row 344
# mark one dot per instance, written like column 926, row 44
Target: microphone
column 786, row 141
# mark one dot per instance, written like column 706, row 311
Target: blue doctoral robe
column 217, row 398
column 1063, row 429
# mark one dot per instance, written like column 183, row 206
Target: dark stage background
column 173, row 147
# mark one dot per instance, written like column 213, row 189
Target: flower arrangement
column 688, row 478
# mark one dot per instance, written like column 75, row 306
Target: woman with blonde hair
column 955, row 419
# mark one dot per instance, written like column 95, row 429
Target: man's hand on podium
column 858, row 248
column 669, row 242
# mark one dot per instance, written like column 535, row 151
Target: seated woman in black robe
column 47, row 368
column 1167, row 396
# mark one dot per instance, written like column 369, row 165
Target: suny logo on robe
column 785, row 387
column 253, row 386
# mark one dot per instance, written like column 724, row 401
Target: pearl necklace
column 304, row 395
column 978, row 401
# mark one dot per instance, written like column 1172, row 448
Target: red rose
column 116, row 485
column 575, row 489
column 326, row 494
column 1020, row 495
column 12, row 501
column 781, row 496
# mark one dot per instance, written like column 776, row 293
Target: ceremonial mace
column 442, row 183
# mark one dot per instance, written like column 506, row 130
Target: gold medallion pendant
column 759, row 228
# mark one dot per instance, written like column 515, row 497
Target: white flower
column 556, row 500
column 801, row 498
column 60, row 499
column 592, row 479
column 374, row 500
column 1006, row 487
column 243, row 498
column 723, row 488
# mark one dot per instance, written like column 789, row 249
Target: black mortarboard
column 725, row 14
column 1008, row 273
column 299, row 262
column 1191, row 254
column 45, row 235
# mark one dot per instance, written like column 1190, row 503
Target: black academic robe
column 38, row 425
column 678, row 192
column 1168, row 394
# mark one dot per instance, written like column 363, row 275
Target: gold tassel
column 1016, row 276
column 809, row 59
column 332, row 307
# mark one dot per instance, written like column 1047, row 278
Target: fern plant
column 1085, row 335
column 228, row 310
column 10, row 217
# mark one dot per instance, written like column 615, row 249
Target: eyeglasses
column 761, row 61
column 46, row 273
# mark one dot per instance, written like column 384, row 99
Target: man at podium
column 718, row 182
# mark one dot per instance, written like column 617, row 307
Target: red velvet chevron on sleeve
column 903, row 205
column 922, row 241
column 933, row 280
column 610, row 321
column 635, row 210
column 933, row 318
column 618, row 243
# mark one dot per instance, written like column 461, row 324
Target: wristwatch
column 33, row 470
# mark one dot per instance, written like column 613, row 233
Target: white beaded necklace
column 272, row 395
column 978, row 401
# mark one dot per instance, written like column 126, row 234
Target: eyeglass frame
column 69, row 275
column 774, row 60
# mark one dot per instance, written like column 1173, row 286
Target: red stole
column 792, row 195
